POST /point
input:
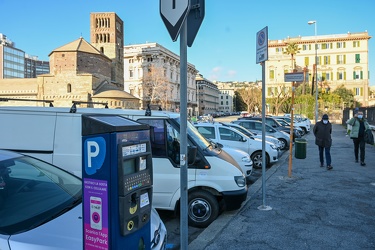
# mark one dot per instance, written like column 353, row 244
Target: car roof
column 6, row 155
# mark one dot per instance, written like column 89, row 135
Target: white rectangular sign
column 293, row 77
column 262, row 45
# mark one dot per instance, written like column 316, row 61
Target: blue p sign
column 94, row 150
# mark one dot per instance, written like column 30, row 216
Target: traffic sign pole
column 183, row 134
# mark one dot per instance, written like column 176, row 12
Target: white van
column 54, row 134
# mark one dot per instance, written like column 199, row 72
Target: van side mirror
column 192, row 154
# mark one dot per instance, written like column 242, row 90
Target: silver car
column 256, row 127
column 41, row 207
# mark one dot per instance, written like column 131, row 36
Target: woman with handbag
column 357, row 133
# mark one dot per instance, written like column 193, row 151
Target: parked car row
column 231, row 137
column 216, row 178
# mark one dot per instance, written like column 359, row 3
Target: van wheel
column 257, row 159
column 203, row 209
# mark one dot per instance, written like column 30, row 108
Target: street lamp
column 316, row 73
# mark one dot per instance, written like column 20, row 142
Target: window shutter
column 337, row 59
column 344, row 59
column 345, row 75
column 344, row 44
column 361, row 74
column 329, row 59
column 353, row 75
column 338, row 76
column 306, row 61
column 361, row 91
column 331, row 45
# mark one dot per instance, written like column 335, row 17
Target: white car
column 247, row 132
column 256, row 127
column 303, row 124
column 41, row 207
column 241, row 157
column 231, row 137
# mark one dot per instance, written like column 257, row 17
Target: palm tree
column 292, row 49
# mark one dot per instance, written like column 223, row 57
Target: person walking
column 357, row 133
column 322, row 131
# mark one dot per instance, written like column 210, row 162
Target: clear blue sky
column 224, row 48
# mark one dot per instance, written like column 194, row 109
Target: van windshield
column 195, row 135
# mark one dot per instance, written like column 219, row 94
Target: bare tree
column 251, row 96
column 156, row 87
column 279, row 98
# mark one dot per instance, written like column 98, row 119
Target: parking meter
column 117, row 183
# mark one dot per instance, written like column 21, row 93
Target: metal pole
column 184, row 233
column 316, row 77
column 264, row 206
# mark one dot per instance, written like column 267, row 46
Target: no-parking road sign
column 262, row 45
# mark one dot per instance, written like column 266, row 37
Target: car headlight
column 156, row 237
column 246, row 159
column 240, row 180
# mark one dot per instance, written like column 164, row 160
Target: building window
column 355, row 44
column 306, row 61
column 69, row 88
column 341, row 59
column 340, row 45
column 304, row 47
column 358, row 91
column 325, row 45
column 227, row 103
column 357, row 74
column 279, row 49
column 327, row 60
column 357, row 58
column 272, row 74
column 131, row 73
column 226, row 97
column 221, row 102
column 341, row 75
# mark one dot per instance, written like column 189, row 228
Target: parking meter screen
column 128, row 166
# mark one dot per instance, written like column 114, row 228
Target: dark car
column 275, row 124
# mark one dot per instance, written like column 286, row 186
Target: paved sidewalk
column 315, row 208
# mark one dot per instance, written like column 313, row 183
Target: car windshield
column 33, row 192
column 202, row 142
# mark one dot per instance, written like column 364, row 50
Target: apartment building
column 208, row 96
column 12, row 60
column 152, row 73
column 342, row 59
column 35, row 67
column 226, row 97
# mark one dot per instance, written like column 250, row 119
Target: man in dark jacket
column 322, row 131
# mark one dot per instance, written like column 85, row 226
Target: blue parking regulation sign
column 262, row 45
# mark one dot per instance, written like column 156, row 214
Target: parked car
column 250, row 134
column 305, row 125
column 241, row 157
column 275, row 124
column 41, row 207
column 231, row 137
column 256, row 127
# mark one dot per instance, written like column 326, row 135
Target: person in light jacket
column 322, row 131
column 357, row 133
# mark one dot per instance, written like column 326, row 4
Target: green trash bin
column 300, row 148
